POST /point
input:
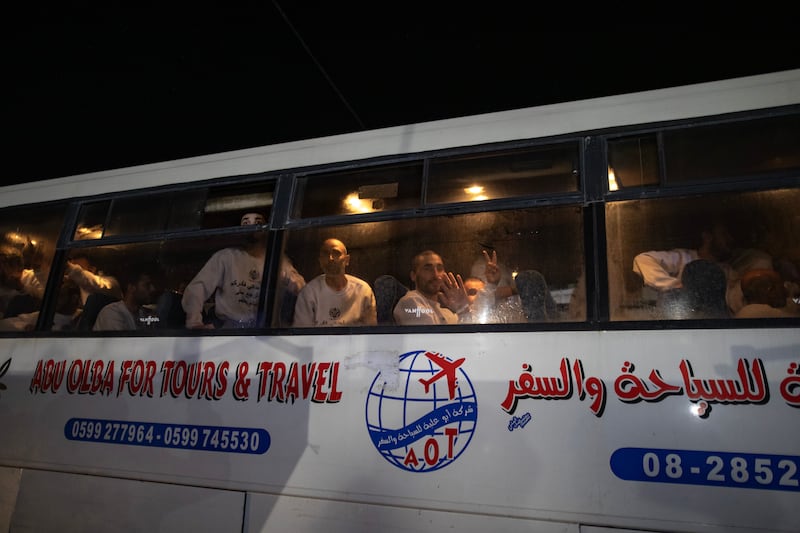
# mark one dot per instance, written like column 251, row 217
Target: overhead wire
column 319, row 65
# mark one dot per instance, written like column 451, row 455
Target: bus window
column 164, row 212
column 224, row 205
column 758, row 147
column 741, row 149
column 505, row 174
column 384, row 188
column 138, row 215
column 29, row 237
column 91, row 221
column 544, row 244
column 199, row 208
column 633, row 162
column 723, row 236
column 220, row 297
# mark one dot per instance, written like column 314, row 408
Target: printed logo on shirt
column 418, row 311
column 334, row 313
column 247, row 292
column 254, row 275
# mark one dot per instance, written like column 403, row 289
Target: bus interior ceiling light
column 354, row 204
column 475, row 193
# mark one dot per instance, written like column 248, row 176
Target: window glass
column 148, row 284
column 739, row 149
column 633, row 162
column 504, row 174
column 685, row 258
column 370, row 190
column 154, row 213
column 217, row 207
column 29, row 237
column 91, row 221
column 542, row 247
column 224, row 206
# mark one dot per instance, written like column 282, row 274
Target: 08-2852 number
column 764, row 471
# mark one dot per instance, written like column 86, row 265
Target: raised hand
column 454, row 294
column 492, row 270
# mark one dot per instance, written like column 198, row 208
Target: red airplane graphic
column 448, row 370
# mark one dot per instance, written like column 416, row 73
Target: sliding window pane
column 506, row 174
column 633, row 162
column 370, row 190
column 739, row 150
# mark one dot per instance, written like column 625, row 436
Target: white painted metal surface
column 601, row 442
column 268, row 513
column 9, row 487
column 61, row 503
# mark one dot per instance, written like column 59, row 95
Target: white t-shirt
column 115, row 317
column 414, row 308
column 233, row 277
column 319, row 305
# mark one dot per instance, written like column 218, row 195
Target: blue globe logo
column 426, row 420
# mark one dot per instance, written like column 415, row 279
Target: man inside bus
column 68, row 307
column 507, row 300
column 438, row 297
column 124, row 314
column 233, row 277
column 480, row 302
column 492, row 294
column 766, row 296
column 335, row 298
column 20, row 289
column 661, row 270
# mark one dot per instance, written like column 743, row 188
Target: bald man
column 335, row 298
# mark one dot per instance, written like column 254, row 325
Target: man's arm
column 91, row 282
column 369, row 313
column 661, row 270
column 200, row 289
column 304, row 308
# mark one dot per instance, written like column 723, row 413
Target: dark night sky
column 94, row 90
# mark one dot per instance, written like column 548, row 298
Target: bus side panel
column 9, row 487
column 267, row 513
column 52, row 501
column 680, row 430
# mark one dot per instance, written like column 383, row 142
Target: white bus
column 638, row 371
